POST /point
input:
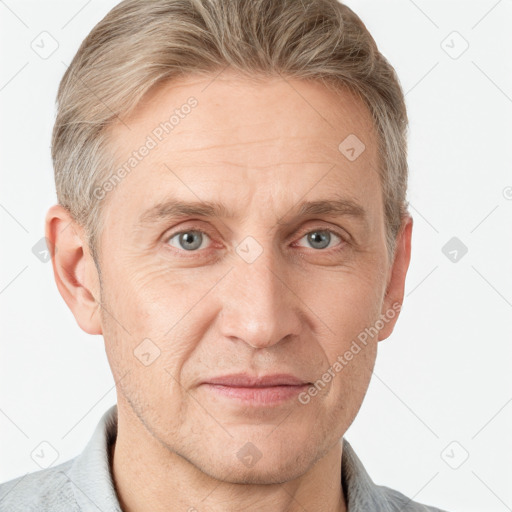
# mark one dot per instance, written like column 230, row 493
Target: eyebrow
column 175, row 209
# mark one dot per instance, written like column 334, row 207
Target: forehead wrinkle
column 285, row 142
column 193, row 165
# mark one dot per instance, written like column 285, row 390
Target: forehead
column 228, row 136
column 236, row 107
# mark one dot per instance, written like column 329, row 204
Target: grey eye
column 188, row 240
column 321, row 238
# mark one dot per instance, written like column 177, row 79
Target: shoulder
column 45, row 490
column 397, row 502
column 364, row 495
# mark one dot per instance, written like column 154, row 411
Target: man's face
column 257, row 289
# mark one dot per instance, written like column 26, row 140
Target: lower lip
column 258, row 396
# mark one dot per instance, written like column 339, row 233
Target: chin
column 263, row 475
column 271, row 466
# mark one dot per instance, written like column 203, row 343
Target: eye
column 321, row 238
column 190, row 240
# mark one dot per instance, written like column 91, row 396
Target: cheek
column 153, row 315
column 155, row 299
column 347, row 302
column 350, row 385
column 348, row 305
column 146, row 369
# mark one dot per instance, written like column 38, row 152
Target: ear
column 74, row 268
column 396, row 282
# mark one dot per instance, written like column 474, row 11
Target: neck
column 149, row 477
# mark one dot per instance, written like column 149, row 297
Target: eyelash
column 335, row 250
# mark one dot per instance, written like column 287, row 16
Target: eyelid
column 172, row 235
column 324, row 225
column 185, row 227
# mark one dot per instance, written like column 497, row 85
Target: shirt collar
column 91, row 475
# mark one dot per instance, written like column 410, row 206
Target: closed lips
column 249, row 381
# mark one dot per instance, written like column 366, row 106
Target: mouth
column 266, row 390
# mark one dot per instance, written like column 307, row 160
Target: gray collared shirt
column 85, row 484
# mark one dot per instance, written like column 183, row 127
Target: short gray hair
column 139, row 44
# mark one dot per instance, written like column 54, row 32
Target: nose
column 259, row 303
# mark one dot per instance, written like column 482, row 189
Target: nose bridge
column 258, row 307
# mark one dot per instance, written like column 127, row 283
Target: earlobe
column 395, row 290
column 74, row 270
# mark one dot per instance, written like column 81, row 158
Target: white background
column 445, row 373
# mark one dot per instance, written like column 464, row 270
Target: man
column 231, row 177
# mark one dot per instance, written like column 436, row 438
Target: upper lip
column 245, row 380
